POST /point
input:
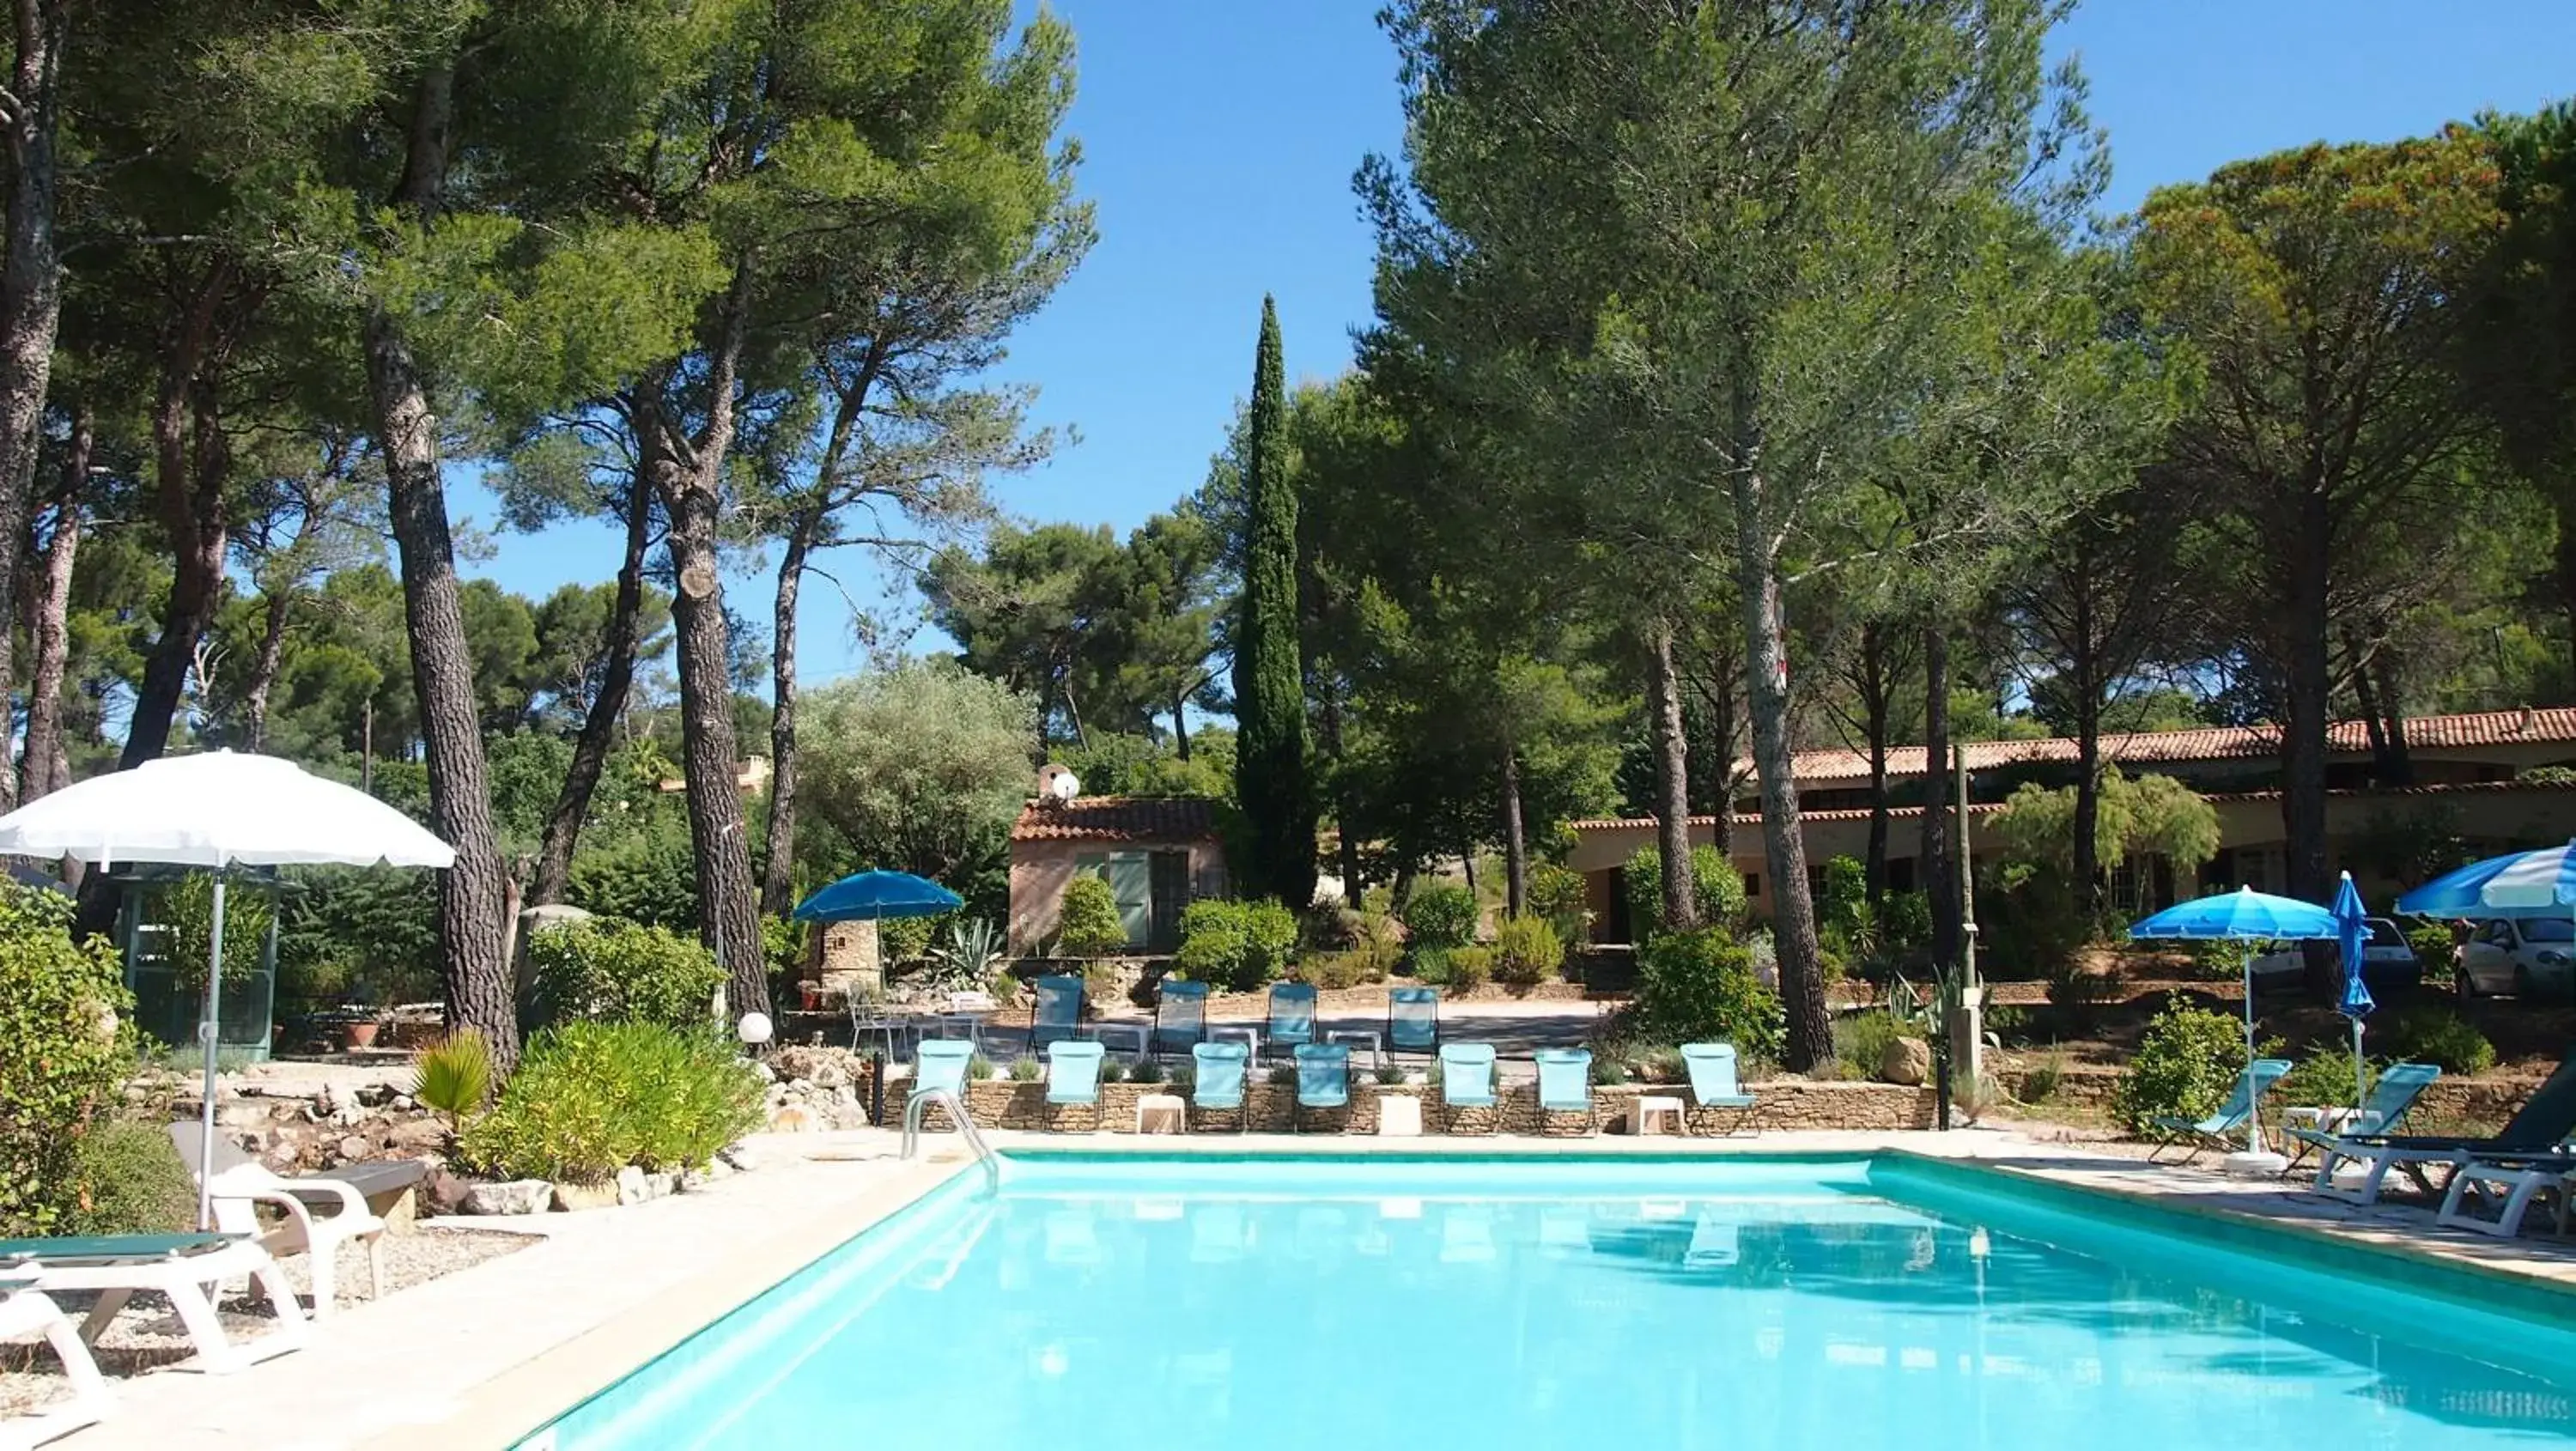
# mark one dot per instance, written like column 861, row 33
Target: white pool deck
column 482, row 1357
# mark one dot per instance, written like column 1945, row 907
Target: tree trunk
column 473, row 895
column 1874, row 726
column 692, row 493
column 1515, row 845
column 2088, row 799
column 31, row 290
column 1672, row 781
column 2308, row 687
column 2564, row 497
column 1726, row 726
column 1346, row 842
column 190, row 465
column 46, row 766
column 1793, row 909
column 1181, row 726
column 263, row 670
column 779, row 854
column 2397, row 767
column 599, row 724
column 1940, row 878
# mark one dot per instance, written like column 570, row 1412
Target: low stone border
column 1784, row 1104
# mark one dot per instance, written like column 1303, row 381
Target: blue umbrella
column 2351, row 931
column 2520, row 884
column 875, row 896
column 2244, row 915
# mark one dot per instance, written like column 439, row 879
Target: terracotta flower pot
column 359, row 1035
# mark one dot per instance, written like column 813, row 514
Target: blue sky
column 1219, row 141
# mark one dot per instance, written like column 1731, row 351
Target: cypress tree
column 1269, row 678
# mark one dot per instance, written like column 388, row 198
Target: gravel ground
column 146, row 1335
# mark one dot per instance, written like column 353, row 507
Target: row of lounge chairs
column 1056, row 1006
column 2493, row 1182
column 1467, row 1079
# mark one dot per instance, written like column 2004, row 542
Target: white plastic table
column 1251, row 1037
column 1162, row 1113
column 1399, row 1116
column 1375, row 1040
column 1645, row 1109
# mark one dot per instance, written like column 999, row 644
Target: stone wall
column 1785, row 1104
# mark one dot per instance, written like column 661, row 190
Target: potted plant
column 359, row 1033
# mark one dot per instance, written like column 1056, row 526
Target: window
column 1752, row 885
column 2548, row 929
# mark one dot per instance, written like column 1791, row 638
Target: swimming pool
column 1738, row 1303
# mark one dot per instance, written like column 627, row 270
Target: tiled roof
column 2553, row 726
column 1117, row 818
column 1753, row 819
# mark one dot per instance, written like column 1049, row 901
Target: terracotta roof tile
column 1981, row 808
column 2553, row 726
column 1117, row 818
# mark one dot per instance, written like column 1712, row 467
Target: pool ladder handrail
column 947, row 1098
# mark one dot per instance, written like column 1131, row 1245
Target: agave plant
column 966, row 959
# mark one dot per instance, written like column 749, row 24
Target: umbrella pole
column 2254, row 1120
column 2360, row 1088
column 206, row 1035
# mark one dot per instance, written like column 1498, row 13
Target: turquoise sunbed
column 2391, row 1099
column 1323, row 1079
column 1713, row 1084
column 1218, row 1083
column 1055, row 1013
column 1073, row 1076
column 1292, row 1015
column 1413, row 1019
column 1565, row 1083
column 2216, row 1130
column 1467, row 1079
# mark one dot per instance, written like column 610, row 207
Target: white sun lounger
column 25, row 1312
column 182, row 1277
column 2507, row 1189
column 241, row 1184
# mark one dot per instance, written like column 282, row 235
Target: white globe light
column 754, row 1029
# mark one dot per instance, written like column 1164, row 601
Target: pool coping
column 507, row 1409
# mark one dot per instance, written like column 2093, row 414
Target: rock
column 241, row 1115
column 574, row 1197
column 828, row 1074
column 793, row 1118
column 634, row 1186
column 696, row 1179
column 737, row 1157
column 767, row 1073
column 444, row 1192
column 403, row 1103
column 324, row 1104
column 1907, row 1061
column 512, row 1196
column 355, row 1147
column 663, row 1184
column 375, row 1095
column 413, row 1136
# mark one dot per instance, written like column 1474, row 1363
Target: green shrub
column 1087, row 923
column 1558, row 894
column 2436, row 1035
column 1380, row 948
column 2041, row 1081
column 1527, row 952
column 2032, row 925
column 1440, row 915
column 978, row 1067
column 1904, row 922
column 2184, row 1066
column 1113, row 1070
column 1331, row 927
column 2320, row 1080
column 1101, row 982
column 1390, row 1074
column 1149, row 1070
column 1238, row 945
column 619, row 972
column 1694, row 986
column 128, row 1179
column 591, row 1098
column 1860, row 1041
column 1458, row 969
column 902, row 941
column 185, row 909
column 1283, row 1075
column 65, row 1050
column 1607, row 1072
column 1026, row 1069
column 1716, row 886
column 454, row 1076
column 2434, row 947
column 1184, row 1077
column 1334, row 970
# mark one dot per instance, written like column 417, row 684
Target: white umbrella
column 218, row 811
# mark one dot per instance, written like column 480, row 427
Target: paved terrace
column 483, row 1356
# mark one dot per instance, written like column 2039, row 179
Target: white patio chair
column 241, row 1184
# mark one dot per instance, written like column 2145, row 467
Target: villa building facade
column 2467, row 779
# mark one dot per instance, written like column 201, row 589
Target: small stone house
column 1158, row 854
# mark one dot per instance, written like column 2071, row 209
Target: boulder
column 510, row 1196
column 603, row 1195
column 634, row 1186
column 241, row 1115
column 444, row 1192
column 1907, row 1061
column 416, row 1136
column 794, row 1118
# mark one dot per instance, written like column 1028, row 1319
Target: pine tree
column 1269, row 679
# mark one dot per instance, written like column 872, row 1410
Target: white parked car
column 2536, row 954
column 2388, row 963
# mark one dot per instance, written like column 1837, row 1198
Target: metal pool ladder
column 947, row 1099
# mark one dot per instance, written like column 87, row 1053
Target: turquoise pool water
column 1734, row 1306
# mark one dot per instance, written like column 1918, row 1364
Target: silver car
column 2534, row 954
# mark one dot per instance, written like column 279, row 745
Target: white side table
column 1399, row 1116
column 1251, row 1037
column 1162, row 1113
column 1645, row 1109
column 1370, row 1037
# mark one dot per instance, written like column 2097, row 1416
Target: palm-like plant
column 966, row 959
column 454, row 1076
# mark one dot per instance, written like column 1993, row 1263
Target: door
column 1131, row 882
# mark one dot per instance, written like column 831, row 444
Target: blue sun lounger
column 1073, row 1076
column 1467, row 1080
column 1713, row 1085
column 1565, row 1083
column 1323, row 1079
column 1218, row 1083
column 2215, row 1131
